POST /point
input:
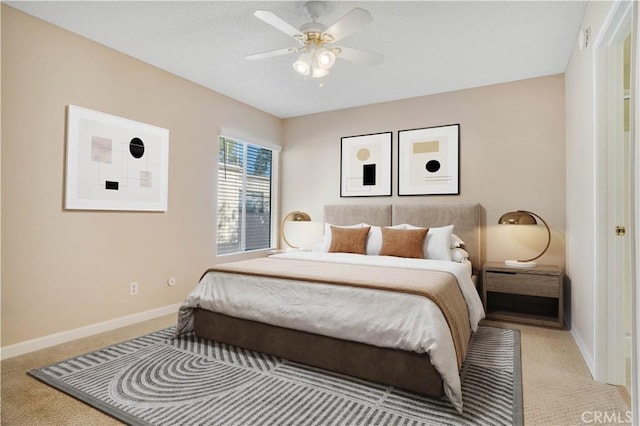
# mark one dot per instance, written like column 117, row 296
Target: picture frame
column 365, row 165
column 429, row 161
column 113, row 163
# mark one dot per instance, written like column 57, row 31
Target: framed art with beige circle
column 429, row 161
column 365, row 165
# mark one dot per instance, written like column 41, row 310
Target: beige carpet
column 557, row 386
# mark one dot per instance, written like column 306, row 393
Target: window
column 244, row 196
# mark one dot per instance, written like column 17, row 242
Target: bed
column 321, row 324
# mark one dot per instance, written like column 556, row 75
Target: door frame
column 634, row 147
column 608, row 319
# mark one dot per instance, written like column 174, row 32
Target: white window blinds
column 244, row 196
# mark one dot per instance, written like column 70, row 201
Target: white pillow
column 317, row 247
column 326, row 242
column 374, row 241
column 459, row 255
column 401, row 226
column 456, row 242
column 437, row 245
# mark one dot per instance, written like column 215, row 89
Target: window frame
column 275, row 171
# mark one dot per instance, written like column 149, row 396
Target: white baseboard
column 586, row 355
column 78, row 333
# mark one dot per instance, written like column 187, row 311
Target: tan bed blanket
column 440, row 287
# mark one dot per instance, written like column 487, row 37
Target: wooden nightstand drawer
column 525, row 284
column 532, row 295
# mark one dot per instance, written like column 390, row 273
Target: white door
column 614, row 234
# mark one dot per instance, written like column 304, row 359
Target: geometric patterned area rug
column 160, row 379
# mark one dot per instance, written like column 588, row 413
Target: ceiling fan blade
column 357, row 55
column 271, row 53
column 349, row 23
column 277, row 22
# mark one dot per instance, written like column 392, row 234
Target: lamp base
column 519, row 264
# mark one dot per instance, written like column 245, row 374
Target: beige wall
column 66, row 269
column 512, row 153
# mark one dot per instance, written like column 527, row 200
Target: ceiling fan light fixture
column 303, row 64
column 325, row 58
column 318, row 72
column 317, row 55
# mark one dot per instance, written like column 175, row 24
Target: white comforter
column 381, row 318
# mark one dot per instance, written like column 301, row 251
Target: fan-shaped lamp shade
column 295, row 216
column 319, row 72
column 524, row 217
column 303, row 64
column 325, row 58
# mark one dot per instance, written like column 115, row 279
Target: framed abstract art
column 365, row 165
column 114, row 163
column 429, row 161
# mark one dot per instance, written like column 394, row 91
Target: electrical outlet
column 133, row 288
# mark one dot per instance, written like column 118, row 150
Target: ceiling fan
column 318, row 54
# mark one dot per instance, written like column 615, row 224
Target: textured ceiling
column 429, row 47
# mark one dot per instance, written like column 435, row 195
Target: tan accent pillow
column 349, row 240
column 403, row 242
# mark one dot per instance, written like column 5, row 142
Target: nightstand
column 532, row 295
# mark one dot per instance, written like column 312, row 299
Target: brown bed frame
column 402, row 369
column 407, row 370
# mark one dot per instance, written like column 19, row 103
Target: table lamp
column 295, row 216
column 523, row 217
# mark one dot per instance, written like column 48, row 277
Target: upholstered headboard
column 464, row 216
column 349, row 214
